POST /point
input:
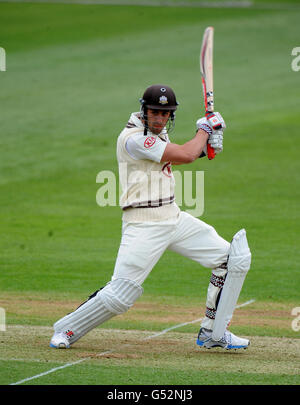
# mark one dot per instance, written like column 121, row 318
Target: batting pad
column 114, row 299
column 239, row 261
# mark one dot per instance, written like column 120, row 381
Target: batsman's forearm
column 188, row 152
column 195, row 146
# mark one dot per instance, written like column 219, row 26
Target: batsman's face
column 157, row 120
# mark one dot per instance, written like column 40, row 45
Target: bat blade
column 206, row 69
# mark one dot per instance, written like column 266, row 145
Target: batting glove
column 216, row 121
column 214, row 125
column 216, row 140
column 202, row 123
column 213, row 121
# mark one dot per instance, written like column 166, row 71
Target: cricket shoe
column 60, row 340
column 229, row 340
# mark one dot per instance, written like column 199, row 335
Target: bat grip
column 211, row 154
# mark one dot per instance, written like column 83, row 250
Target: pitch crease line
column 49, row 371
column 52, row 370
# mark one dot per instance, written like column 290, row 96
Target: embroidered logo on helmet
column 163, row 100
column 150, row 141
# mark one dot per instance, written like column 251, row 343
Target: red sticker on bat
column 150, row 141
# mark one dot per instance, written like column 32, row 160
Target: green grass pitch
column 74, row 73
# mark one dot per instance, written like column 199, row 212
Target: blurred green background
column 74, row 74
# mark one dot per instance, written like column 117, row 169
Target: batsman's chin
column 157, row 130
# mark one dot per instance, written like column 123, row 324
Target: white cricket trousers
column 141, row 247
column 143, row 244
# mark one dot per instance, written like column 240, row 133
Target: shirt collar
column 135, row 120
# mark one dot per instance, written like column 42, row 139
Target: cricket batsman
column 152, row 223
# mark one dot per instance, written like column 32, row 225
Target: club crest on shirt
column 149, row 141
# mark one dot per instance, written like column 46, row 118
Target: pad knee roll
column 120, row 294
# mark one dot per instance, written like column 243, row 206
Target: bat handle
column 211, row 154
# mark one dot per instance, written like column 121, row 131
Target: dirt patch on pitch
column 141, row 311
column 257, row 314
column 272, row 315
column 37, row 307
column 132, row 348
column 167, row 313
column 36, row 310
column 111, row 355
column 179, row 351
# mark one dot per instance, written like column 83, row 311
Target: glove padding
column 209, row 125
column 213, row 120
column 216, row 121
column 216, row 140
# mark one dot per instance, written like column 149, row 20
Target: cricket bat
column 206, row 69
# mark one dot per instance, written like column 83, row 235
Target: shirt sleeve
column 145, row 147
